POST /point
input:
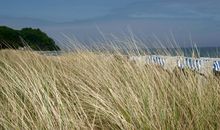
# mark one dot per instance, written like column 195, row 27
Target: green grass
column 86, row 90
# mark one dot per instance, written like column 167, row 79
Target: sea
column 211, row 52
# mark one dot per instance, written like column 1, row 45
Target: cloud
column 166, row 16
column 170, row 9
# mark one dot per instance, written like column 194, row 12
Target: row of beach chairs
column 203, row 65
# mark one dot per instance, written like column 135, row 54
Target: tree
column 34, row 38
column 9, row 38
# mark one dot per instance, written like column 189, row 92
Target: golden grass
column 87, row 90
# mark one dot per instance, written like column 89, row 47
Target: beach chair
column 158, row 60
column 198, row 64
column 161, row 61
column 187, row 62
column 216, row 66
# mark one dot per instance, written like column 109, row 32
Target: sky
column 197, row 20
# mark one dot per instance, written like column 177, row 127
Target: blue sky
column 199, row 18
column 60, row 10
column 70, row 10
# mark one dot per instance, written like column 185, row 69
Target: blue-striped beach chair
column 216, row 66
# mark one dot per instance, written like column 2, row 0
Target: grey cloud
column 171, row 9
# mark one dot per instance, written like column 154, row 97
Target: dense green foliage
column 34, row 38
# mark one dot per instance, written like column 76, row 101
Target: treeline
column 26, row 37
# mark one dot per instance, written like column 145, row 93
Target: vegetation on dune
column 33, row 38
column 86, row 90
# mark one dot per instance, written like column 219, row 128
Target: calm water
column 203, row 51
column 213, row 52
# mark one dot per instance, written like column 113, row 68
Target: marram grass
column 86, row 90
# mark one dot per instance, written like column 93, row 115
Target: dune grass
column 87, row 90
